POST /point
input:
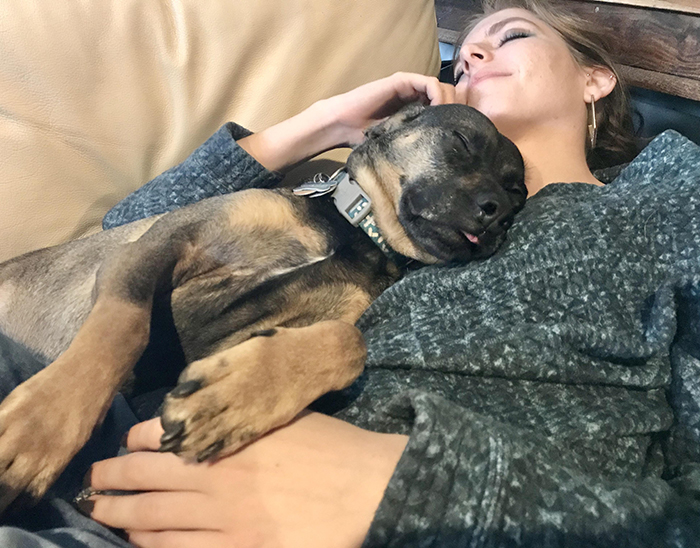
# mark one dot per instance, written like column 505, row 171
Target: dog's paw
column 229, row 399
column 38, row 437
column 232, row 398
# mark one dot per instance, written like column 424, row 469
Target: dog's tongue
column 473, row 239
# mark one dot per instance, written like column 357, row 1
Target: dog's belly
column 46, row 295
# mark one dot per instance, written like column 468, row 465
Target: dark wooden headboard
column 658, row 40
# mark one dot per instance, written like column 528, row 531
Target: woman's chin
column 508, row 125
column 503, row 111
column 487, row 107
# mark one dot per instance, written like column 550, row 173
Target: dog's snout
column 493, row 211
column 460, row 221
column 421, row 203
column 463, row 208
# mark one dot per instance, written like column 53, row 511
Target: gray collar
column 353, row 203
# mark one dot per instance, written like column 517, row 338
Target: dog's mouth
column 472, row 238
column 449, row 244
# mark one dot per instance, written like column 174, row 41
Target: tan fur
column 65, row 302
column 383, row 182
column 272, row 212
column 50, row 439
column 264, row 383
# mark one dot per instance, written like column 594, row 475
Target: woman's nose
column 474, row 54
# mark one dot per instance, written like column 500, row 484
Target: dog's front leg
column 47, row 419
column 235, row 396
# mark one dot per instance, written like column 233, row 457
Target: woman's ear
column 600, row 81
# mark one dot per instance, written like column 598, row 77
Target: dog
column 250, row 298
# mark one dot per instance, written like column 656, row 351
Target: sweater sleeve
column 466, row 480
column 218, row 166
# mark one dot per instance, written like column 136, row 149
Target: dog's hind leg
column 47, row 419
column 235, row 396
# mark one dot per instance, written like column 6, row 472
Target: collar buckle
column 351, row 201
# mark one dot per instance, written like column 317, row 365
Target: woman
column 532, row 408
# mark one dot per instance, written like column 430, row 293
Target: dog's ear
column 406, row 114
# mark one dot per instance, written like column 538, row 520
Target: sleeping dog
column 254, row 294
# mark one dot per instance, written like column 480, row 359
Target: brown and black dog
column 254, row 294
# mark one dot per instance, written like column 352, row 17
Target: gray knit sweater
column 551, row 392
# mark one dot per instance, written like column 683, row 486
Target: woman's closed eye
column 513, row 34
column 508, row 36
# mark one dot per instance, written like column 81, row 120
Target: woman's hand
column 315, row 482
column 353, row 112
column 341, row 120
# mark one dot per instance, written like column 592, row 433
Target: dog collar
column 353, row 203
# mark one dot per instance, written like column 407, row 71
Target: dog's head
column 445, row 185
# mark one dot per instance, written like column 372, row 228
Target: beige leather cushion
column 97, row 97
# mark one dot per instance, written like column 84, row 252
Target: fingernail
column 171, row 430
column 263, row 333
column 87, row 480
column 86, row 506
column 185, row 389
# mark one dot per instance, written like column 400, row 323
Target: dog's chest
column 298, row 269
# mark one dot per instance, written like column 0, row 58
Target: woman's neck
column 553, row 157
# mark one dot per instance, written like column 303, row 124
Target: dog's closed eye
column 464, row 140
column 513, row 184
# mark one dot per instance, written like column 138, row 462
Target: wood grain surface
column 689, row 6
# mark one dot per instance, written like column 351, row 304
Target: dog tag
column 318, row 186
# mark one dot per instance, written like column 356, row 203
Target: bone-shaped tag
column 321, row 184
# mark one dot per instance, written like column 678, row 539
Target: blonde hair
column 616, row 142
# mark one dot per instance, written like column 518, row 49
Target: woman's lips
column 481, row 76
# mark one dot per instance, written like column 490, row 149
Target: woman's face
column 519, row 72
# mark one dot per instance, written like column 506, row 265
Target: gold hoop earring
column 593, row 124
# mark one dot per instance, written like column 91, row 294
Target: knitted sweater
column 552, row 391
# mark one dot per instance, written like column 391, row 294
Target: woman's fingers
column 145, row 471
column 427, row 88
column 156, row 511
column 351, row 113
column 448, row 94
column 145, row 436
column 439, row 93
column 178, row 539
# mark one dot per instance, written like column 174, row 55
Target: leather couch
column 97, row 97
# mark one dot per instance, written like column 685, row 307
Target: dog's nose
column 489, row 208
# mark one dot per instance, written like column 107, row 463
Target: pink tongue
column 473, row 239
